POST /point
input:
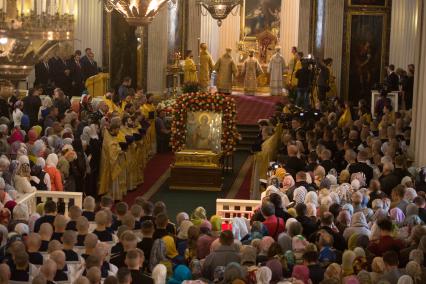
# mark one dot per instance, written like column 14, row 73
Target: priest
column 251, row 69
column 276, row 70
column 226, row 70
column 206, row 67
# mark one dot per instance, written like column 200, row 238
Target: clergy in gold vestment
column 189, row 69
column 206, row 67
column 276, row 70
column 251, row 69
column 110, row 168
column 293, row 66
column 148, row 111
column 226, row 70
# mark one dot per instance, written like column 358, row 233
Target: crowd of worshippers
column 51, row 143
column 342, row 234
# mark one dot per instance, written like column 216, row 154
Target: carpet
column 155, row 168
column 187, row 200
column 252, row 108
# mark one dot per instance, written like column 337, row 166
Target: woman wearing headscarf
column 191, row 250
column 417, row 232
column 55, row 175
column 412, row 216
column 358, row 226
column 159, row 274
column 78, row 166
column 23, row 175
column 333, row 271
column 343, row 220
column 233, row 271
column 301, row 272
column 263, row 275
column 285, row 241
column 415, row 271
column 397, row 216
column 198, row 216
column 182, row 237
column 348, row 262
column 205, row 240
column 181, row 216
column 216, row 222
column 181, row 273
column 93, row 153
column 264, row 246
column 277, row 270
column 405, row 279
column 377, row 269
column 171, row 252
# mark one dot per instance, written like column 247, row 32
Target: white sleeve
column 47, row 181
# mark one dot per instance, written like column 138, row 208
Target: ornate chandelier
column 136, row 12
column 29, row 30
column 219, row 9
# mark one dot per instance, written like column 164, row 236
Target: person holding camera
column 323, row 81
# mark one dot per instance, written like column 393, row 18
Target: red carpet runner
column 252, row 108
column 155, row 168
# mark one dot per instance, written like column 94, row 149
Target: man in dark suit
column 42, row 73
column 61, row 75
column 76, row 74
column 392, row 80
column 89, row 65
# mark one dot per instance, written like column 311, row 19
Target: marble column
column 403, row 32
column 229, row 32
column 157, row 53
column 304, row 29
column 333, row 36
column 418, row 134
column 210, row 33
column 88, row 29
column 290, row 12
column 193, row 27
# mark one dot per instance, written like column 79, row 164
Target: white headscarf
column 311, row 197
column 299, row 194
column 159, row 274
column 405, row 279
column 263, row 275
column 52, row 160
column 240, row 227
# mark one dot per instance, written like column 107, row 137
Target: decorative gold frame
column 243, row 22
column 367, row 6
column 348, row 33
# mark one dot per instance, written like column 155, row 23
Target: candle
column 22, row 7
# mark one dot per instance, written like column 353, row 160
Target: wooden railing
column 230, row 208
column 30, row 199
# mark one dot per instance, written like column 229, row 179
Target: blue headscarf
column 180, row 274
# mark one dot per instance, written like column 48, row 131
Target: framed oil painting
column 259, row 16
column 204, row 131
column 365, row 53
column 369, row 3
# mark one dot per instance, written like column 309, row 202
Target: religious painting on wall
column 365, row 53
column 174, row 31
column 368, row 3
column 204, row 131
column 260, row 16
